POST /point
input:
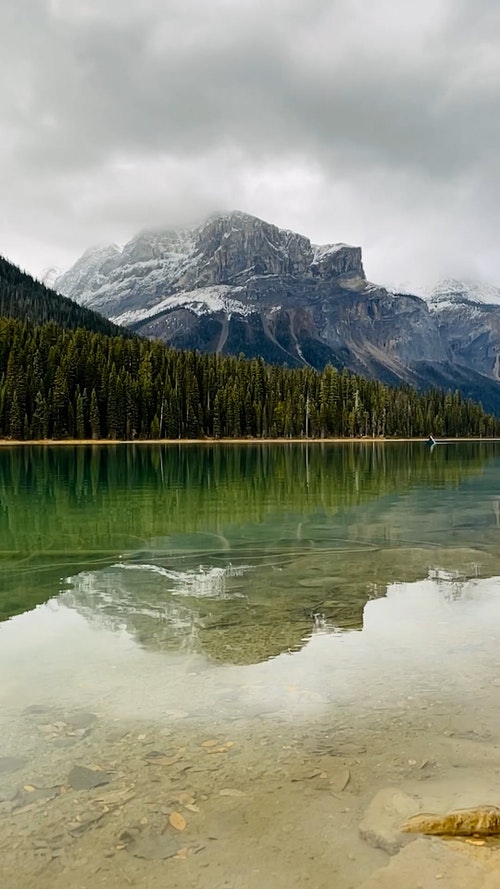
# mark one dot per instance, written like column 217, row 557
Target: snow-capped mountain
column 451, row 292
column 204, row 268
column 237, row 284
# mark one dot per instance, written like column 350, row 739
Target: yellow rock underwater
column 480, row 821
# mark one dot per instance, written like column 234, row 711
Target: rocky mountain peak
column 237, row 284
column 90, row 271
column 235, row 246
column 227, row 250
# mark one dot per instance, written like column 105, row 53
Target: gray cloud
column 375, row 123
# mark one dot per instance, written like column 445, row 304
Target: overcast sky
column 375, row 122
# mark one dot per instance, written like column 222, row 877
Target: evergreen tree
column 95, row 422
column 15, row 421
column 40, row 420
column 80, row 416
column 60, row 403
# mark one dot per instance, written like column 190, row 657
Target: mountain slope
column 24, row 298
column 237, row 284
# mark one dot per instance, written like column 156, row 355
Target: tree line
column 57, row 384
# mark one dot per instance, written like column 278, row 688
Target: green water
column 287, row 596
column 265, row 537
column 236, row 552
column 67, row 508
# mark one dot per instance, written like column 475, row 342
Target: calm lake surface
column 208, row 650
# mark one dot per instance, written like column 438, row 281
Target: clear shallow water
column 327, row 606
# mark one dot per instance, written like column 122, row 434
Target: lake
column 246, row 665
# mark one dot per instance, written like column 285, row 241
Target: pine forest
column 79, row 384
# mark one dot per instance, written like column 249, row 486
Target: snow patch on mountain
column 96, row 261
column 452, row 292
column 205, row 301
column 322, row 250
column 50, row 275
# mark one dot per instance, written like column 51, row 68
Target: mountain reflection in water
column 70, row 509
column 177, row 559
column 422, row 640
column 222, row 611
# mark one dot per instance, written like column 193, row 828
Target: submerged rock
column 153, row 847
column 81, row 720
column 426, row 864
column 479, row 821
column 380, row 826
column 12, row 763
column 82, row 778
column 30, row 794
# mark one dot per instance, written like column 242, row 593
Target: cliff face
column 469, row 317
column 240, row 285
column 233, row 251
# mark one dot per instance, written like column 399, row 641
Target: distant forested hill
column 22, row 297
column 57, row 383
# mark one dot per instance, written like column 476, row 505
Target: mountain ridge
column 239, row 285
